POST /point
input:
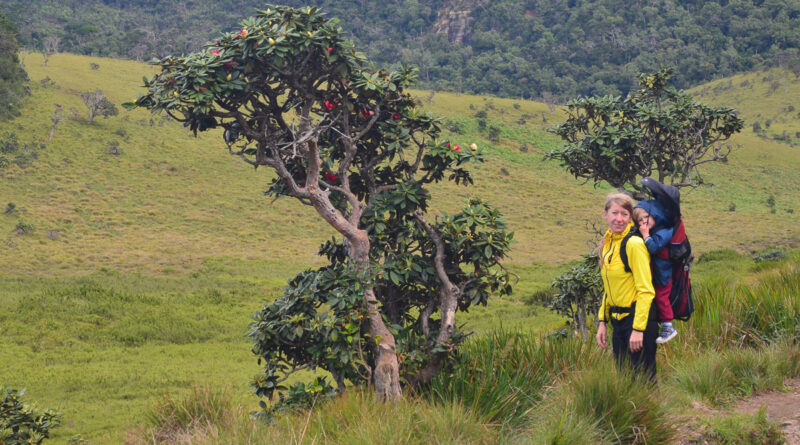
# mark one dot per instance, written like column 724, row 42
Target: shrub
column 772, row 254
column 21, row 423
column 23, row 228
column 494, row 133
column 481, row 114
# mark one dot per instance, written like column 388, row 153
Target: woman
column 628, row 296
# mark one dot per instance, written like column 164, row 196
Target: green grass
column 744, row 429
column 140, row 272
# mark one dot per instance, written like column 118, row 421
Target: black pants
column 643, row 361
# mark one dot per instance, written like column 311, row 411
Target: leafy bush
column 772, row 254
column 12, row 151
column 22, row 424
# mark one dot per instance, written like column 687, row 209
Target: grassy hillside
column 169, row 200
column 128, row 276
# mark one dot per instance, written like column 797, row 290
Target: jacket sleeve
column 659, row 239
column 601, row 316
column 639, row 260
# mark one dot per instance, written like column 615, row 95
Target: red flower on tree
column 331, row 177
column 395, row 116
column 216, row 51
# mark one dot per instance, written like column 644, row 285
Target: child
column 651, row 218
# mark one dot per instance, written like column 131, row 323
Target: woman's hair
column 638, row 213
column 620, row 199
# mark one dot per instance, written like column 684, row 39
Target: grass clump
column 745, row 429
column 206, row 409
column 207, row 418
column 608, row 403
column 503, row 375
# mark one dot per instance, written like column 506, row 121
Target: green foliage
column 292, row 94
column 770, row 254
column 745, row 429
column 21, row 423
column 656, row 131
column 511, row 48
column 177, row 414
column 504, row 375
column 13, row 78
column 14, row 152
column 98, row 104
column 578, row 292
column 616, row 405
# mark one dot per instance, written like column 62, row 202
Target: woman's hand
column 636, row 341
column 601, row 335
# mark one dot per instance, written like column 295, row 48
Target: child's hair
column 639, row 213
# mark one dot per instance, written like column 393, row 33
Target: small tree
column 98, row 105
column 21, row 423
column 58, row 116
column 348, row 140
column 655, row 131
column 49, row 46
column 578, row 293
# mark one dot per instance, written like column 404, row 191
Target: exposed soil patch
column 783, row 407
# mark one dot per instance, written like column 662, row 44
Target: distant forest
column 554, row 49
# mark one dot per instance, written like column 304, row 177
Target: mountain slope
column 512, row 48
column 170, row 200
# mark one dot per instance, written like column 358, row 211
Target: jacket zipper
column 609, row 255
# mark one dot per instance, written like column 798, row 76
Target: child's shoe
column 667, row 333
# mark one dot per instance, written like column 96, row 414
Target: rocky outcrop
column 455, row 20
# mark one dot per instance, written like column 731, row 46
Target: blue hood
column 657, row 211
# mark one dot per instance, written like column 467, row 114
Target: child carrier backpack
column 679, row 251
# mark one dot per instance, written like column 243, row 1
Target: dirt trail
column 783, row 407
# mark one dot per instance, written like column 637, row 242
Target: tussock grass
column 719, row 378
column 610, row 403
column 503, row 375
column 355, row 418
column 745, row 429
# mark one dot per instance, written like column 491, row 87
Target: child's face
column 645, row 220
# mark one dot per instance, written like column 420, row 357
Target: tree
column 13, row 79
column 98, row 105
column 655, row 131
column 578, row 292
column 50, row 46
column 21, row 423
column 345, row 138
column 58, row 116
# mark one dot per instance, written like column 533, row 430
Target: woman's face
column 617, row 218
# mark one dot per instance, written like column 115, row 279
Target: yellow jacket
column 625, row 288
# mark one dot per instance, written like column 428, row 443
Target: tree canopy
column 516, row 48
column 13, row 79
column 656, row 131
column 289, row 92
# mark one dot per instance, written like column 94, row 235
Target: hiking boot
column 667, row 334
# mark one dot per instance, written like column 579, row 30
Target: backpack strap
column 623, row 247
